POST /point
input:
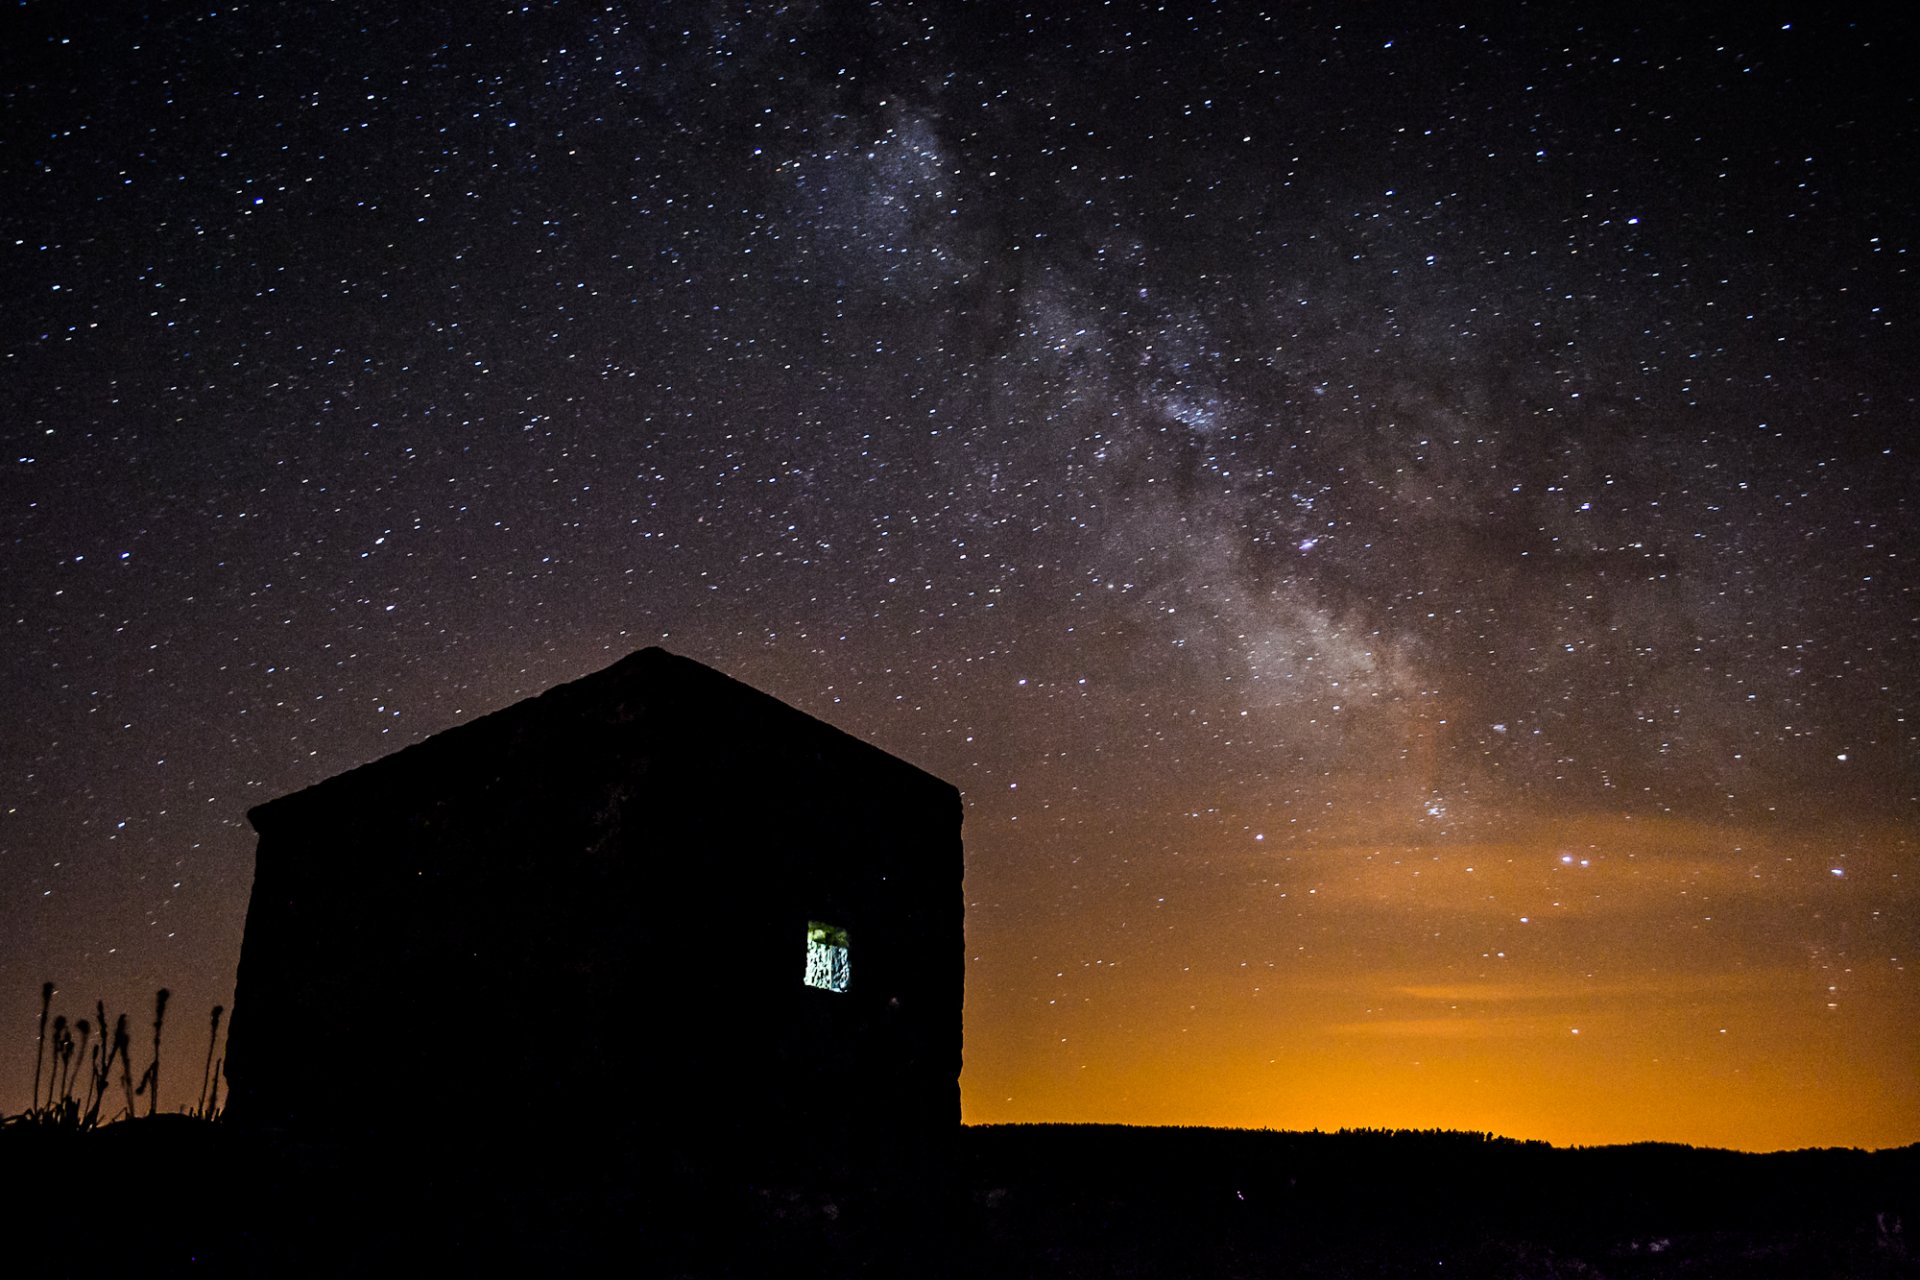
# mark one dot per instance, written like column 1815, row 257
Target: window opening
column 827, row 966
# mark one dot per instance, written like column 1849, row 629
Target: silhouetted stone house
column 651, row 916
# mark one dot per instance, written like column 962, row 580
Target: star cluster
column 1397, row 521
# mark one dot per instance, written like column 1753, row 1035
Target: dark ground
column 173, row 1195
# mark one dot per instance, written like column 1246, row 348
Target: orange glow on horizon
column 1583, row 980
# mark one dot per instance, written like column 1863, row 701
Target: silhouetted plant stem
column 89, row 1097
column 206, row 1072
column 86, row 1042
column 66, row 1068
column 123, row 1042
column 40, row 1043
column 53, row 1059
column 152, row 1080
column 101, row 1073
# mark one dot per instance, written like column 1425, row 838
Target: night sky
column 1397, row 518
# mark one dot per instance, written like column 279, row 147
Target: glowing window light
column 827, row 966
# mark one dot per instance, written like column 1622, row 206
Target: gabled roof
column 684, row 685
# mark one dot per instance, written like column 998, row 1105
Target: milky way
column 1397, row 523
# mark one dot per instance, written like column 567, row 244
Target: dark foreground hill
column 1164, row 1202
column 172, row 1195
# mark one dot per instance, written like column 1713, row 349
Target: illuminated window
column 826, row 956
